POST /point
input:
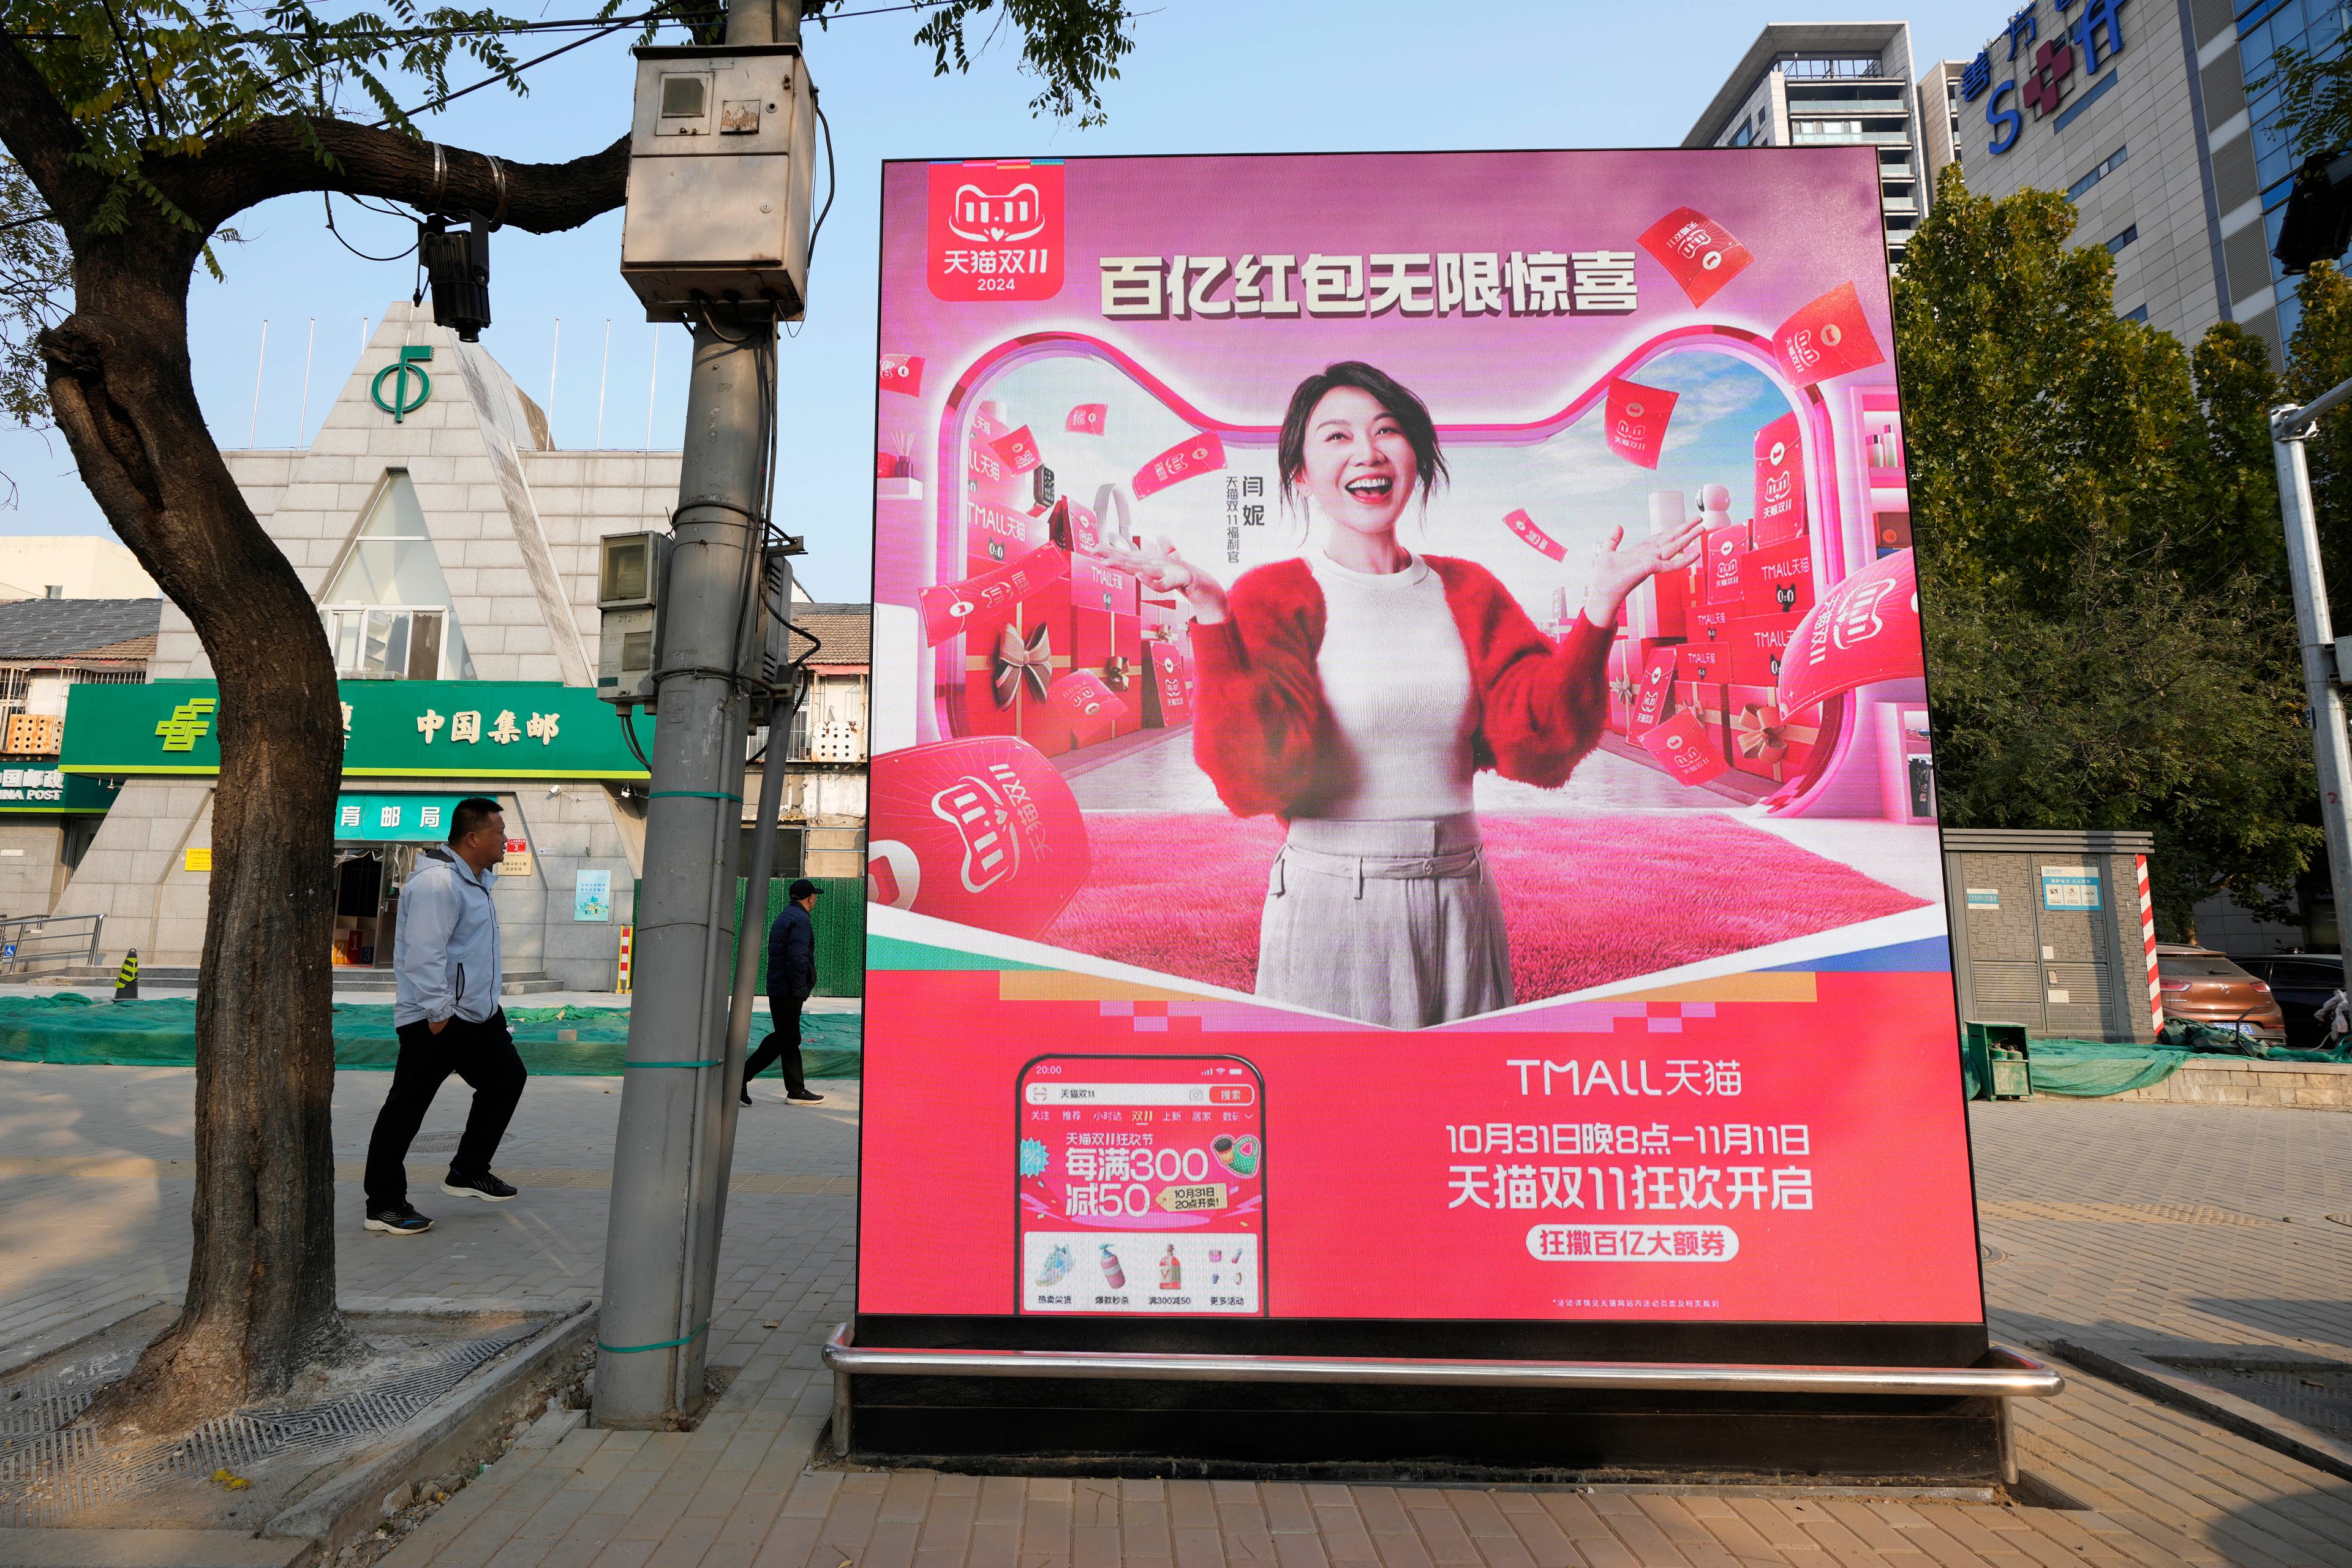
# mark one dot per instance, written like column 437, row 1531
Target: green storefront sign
column 394, row 818
column 53, row 789
column 392, row 729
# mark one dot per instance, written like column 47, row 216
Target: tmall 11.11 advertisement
column 1421, row 803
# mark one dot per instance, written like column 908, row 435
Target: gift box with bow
column 1110, row 644
column 1764, row 742
column 1754, row 647
column 1010, row 661
column 1778, row 579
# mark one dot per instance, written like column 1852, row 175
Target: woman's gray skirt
column 1395, row 923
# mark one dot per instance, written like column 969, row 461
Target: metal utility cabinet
column 2047, row 930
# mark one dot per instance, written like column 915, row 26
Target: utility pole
column 675, row 1141
column 2325, row 661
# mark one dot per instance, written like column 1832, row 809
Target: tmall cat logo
column 995, row 231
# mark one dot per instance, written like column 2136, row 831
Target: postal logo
column 995, row 232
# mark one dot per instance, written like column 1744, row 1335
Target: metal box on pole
column 629, row 571
column 719, row 181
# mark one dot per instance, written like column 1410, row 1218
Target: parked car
column 2301, row 983
column 2201, row 986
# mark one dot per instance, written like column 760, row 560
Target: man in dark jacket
column 792, row 975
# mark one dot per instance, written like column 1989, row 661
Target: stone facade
column 514, row 526
column 2242, row 1081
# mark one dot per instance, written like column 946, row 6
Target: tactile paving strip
column 50, row 1470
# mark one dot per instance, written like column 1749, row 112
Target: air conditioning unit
column 719, row 181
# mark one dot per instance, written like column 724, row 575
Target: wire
column 328, row 198
column 832, row 183
column 629, row 733
column 447, row 98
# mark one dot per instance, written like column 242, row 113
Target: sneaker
column 744, row 1097
column 485, row 1186
column 402, row 1221
column 805, row 1097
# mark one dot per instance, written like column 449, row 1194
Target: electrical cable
column 832, row 183
column 629, row 733
column 328, row 198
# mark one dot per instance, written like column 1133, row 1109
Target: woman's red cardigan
column 1263, row 731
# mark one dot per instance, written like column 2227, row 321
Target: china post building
column 453, row 553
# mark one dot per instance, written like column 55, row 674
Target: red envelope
column 1700, row 253
column 1201, row 454
column 1087, row 419
column 1778, row 579
column 981, row 831
column 1520, row 524
column 1637, row 417
column 987, row 424
column 903, row 372
column 1018, row 448
column 1780, row 481
column 1865, row 628
column 951, row 606
column 1827, row 338
column 1656, row 698
column 1088, row 704
column 1725, row 546
column 989, row 470
column 1170, row 697
column 1686, row 746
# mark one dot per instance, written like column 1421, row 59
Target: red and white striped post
column 2147, row 937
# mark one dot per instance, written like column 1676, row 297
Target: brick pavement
column 2143, row 1225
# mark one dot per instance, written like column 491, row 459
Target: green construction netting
column 72, row 1029
column 2088, row 1068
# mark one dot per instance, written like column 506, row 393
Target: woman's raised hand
column 1159, row 568
column 1620, row 565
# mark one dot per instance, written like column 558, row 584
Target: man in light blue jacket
column 447, row 1011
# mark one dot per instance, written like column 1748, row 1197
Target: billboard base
column 1189, row 1414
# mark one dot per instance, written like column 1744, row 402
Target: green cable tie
column 696, row 795
column 665, row 1345
column 720, row 1062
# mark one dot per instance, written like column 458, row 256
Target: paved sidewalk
column 2146, row 1225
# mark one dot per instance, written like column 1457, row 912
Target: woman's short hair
column 1408, row 411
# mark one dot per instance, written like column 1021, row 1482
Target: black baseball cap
column 803, row 889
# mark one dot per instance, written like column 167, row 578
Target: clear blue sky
column 1208, row 76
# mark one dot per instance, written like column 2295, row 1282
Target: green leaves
column 2110, row 639
column 1073, row 47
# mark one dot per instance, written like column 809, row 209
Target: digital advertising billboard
column 1423, row 811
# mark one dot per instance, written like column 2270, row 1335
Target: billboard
column 1421, row 808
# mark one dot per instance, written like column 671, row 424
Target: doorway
column 368, row 878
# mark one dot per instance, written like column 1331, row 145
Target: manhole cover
column 435, row 1143
column 2318, row 1397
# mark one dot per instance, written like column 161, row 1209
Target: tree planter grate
column 50, row 1470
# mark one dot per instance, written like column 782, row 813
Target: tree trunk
column 261, row 1284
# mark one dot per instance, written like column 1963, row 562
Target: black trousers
column 483, row 1056
column 783, row 1046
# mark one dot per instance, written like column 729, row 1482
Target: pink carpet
column 1588, row 900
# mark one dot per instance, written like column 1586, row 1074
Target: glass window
column 388, row 608
column 2139, row 313
column 2123, row 240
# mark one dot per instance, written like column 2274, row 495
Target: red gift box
column 1766, row 742
column 1725, row 546
column 1003, row 679
column 1701, row 661
column 1111, row 645
column 1755, row 646
column 1685, row 747
column 995, row 535
column 1778, row 579
column 1099, row 585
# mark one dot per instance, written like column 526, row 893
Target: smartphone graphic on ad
column 1142, row 1186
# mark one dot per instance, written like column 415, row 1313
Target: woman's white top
column 1396, row 682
